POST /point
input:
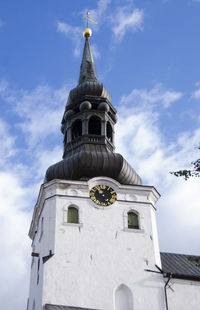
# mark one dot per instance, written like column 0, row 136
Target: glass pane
column 72, row 215
column 133, row 220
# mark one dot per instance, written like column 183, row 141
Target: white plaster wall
column 155, row 238
column 92, row 259
column 42, row 244
column 186, row 295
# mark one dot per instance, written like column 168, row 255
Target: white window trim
column 65, row 211
column 125, row 221
column 73, row 224
column 134, row 230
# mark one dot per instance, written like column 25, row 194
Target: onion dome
column 86, row 164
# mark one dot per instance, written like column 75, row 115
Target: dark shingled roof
column 181, row 266
column 57, row 307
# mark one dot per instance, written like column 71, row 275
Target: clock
column 103, row 195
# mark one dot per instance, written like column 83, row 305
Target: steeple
column 88, row 129
column 88, row 71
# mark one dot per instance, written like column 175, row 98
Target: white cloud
column 157, row 94
column 3, row 85
column 15, row 246
column 40, row 111
column 20, row 178
column 95, row 51
column 196, row 94
column 98, row 14
column 125, row 19
column 102, row 6
column 142, row 142
column 45, row 158
column 73, row 33
column 7, row 148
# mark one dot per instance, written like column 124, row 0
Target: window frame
column 65, row 215
column 125, row 219
column 70, row 208
column 129, row 213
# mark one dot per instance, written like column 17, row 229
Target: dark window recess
column 38, row 271
column 72, row 215
column 109, row 131
column 94, row 126
column 133, row 222
column 76, row 129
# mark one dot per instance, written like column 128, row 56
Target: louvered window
column 72, row 215
column 133, row 222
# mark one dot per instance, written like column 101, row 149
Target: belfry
column 93, row 231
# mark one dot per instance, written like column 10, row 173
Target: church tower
column 93, row 229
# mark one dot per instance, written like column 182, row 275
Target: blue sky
column 147, row 55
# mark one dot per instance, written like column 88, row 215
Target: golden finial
column 88, row 32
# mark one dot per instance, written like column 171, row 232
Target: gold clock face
column 103, row 195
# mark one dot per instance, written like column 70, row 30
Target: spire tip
column 87, row 33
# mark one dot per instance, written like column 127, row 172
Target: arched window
column 123, row 298
column 76, row 129
column 109, row 131
column 133, row 222
column 72, row 215
column 94, row 126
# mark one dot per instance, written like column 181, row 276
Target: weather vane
column 89, row 19
column 88, row 32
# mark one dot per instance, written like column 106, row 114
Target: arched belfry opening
column 94, row 127
column 76, row 129
column 123, row 298
column 109, row 132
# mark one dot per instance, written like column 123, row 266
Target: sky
column 147, row 56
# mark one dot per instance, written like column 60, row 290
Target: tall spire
column 88, row 129
column 88, row 71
